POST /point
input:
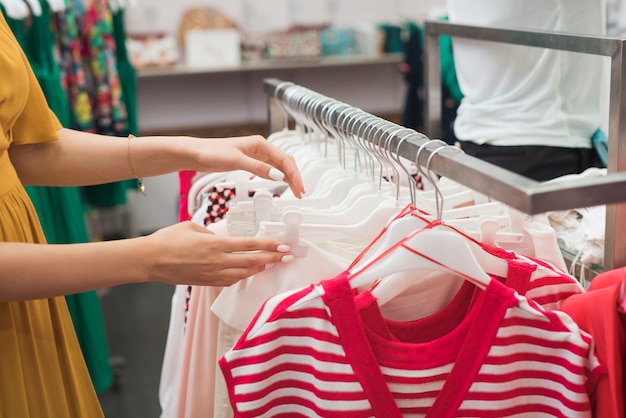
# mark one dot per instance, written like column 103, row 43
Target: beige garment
column 226, row 338
column 199, row 362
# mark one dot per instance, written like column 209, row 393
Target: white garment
column 518, row 95
column 581, row 231
column 169, row 384
column 248, row 295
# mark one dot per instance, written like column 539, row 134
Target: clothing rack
column 614, row 48
column 519, row 192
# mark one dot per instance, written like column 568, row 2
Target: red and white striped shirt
column 325, row 351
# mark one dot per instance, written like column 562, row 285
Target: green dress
column 98, row 31
column 60, row 209
column 126, row 71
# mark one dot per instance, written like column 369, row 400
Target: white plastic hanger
column 428, row 249
column 15, row 9
column 56, row 5
column 35, row 7
column 346, row 211
column 363, row 230
column 365, row 214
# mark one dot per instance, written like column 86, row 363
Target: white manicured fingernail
column 276, row 174
column 282, row 248
column 287, row 258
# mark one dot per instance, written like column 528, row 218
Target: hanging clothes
column 127, row 73
column 96, row 83
column 322, row 350
column 75, row 78
column 276, row 306
column 413, row 113
column 189, row 366
column 598, row 312
column 60, row 209
column 99, row 54
column 535, row 279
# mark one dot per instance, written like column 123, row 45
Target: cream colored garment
column 199, row 357
column 226, row 339
column 190, row 362
column 250, row 294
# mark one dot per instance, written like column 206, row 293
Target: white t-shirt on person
column 519, row 95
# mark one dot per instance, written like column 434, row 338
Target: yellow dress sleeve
column 37, row 122
column 25, row 116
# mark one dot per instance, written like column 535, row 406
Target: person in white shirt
column 530, row 110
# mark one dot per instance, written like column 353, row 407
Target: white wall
column 148, row 16
column 208, row 99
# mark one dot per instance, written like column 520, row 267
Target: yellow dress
column 42, row 371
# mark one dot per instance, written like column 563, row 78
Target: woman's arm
column 79, row 158
column 184, row 253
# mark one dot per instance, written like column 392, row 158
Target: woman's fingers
column 237, row 244
column 255, row 155
column 257, row 258
column 285, row 164
column 187, row 253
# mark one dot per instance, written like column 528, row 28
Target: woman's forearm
column 79, row 158
column 33, row 271
column 184, row 253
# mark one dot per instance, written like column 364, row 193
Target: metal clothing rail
column 615, row 246
column 517, row 191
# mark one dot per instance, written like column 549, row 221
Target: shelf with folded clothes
column 278, row 64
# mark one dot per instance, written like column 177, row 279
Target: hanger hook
column 374, row 131
column 355, row 135
column 420, row 169
column 332, row 128
column 367, row 122
column 410, row 176
column 342, row 119
column 281, row 103
column 349, row 137
column 418, row 154
column 385, row 152
column 431, row 177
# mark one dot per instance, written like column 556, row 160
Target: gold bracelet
column 142, row 187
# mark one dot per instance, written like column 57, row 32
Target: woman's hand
column 250, row 153
column 187, row 253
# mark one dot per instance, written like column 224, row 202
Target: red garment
column 323, row 350
column 185, row 180
column 596, row 312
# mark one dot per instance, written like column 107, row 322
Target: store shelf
column 302, row 63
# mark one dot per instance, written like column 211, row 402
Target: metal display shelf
column 272, row 65
column 539, row 197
